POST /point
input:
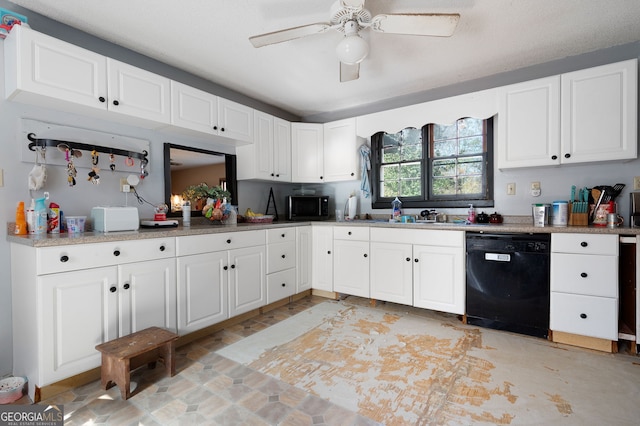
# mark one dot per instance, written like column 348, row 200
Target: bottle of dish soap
column 21, row 223
column 397, row 209
column 471, row 215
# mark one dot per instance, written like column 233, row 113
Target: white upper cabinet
column 529, row 123
column 579, row 117
column 49, row 72
column 307, row 157
column 599, row 113
column 269, row 157
column 324, row 152
column 199, row 111
column 340, row 150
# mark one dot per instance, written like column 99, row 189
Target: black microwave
column 307, row 207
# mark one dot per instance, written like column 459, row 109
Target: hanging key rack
column 42, row 143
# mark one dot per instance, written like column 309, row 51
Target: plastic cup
column 339, row 216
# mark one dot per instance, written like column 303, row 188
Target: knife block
column 577, row 219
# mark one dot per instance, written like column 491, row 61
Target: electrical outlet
column 511, row 189
column 124, row 185
column 636, row 182
column 535, row 189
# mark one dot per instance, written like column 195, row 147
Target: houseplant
column 214, row 201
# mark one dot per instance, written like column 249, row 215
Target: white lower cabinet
column 281, row 263
column 322, row 258
column 423, row 268
column 304, row 247
column 247, row 288
column 351, row 260
column 584, row 285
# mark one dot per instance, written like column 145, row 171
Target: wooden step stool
column 120, row 356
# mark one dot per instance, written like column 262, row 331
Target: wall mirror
column 185, row 166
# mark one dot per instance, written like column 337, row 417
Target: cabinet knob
column 64, row 258
column 583, row 275
column 116, row 103
column 162, row 248
column 283, row 256
column 329, row 252
column 126, row 286
column 113, row 289
column 583, row 316
column 229, row 241
column 349, row 233
column 415, row 260
column 277, row 175
column 233, row 266
column 284, row 285
column 554, row 157
column 567, row 155
column 116, row 253
column 366, row 255
column 408, row 259
column 321, row 177
column 353, row 174
column 584, row 244
column 272, row 174
column 283, row 235
column 222, row 129
column 215, row 127
column 225, row 267
column 101, row 99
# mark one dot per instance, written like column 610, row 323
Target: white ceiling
column 210, row 39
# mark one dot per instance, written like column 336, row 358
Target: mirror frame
column 230, row 173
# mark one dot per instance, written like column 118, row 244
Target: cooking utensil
column 599, row 201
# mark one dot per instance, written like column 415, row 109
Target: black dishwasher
column 508, row 282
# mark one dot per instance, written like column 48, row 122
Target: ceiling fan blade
column 349, row 72
column 423, row 24
column 288, row 34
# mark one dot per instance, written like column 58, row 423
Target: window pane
column 469, row 127
column 411, row 152
column 410, row 170
column 390, row 155
column 410, row 188
column 446, row 148
column 441, row 131
column 472, row 145
column 389, row 189
column 390, row 140
column 470, row 165
column 391, row 172
column 443, row 186
column 444, row 167
column 470, row 185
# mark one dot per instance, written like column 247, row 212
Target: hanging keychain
column 143, row 165
column 112, row 162
column 93, row 174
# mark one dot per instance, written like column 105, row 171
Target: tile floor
column 208, row 389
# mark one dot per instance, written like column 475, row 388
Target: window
column 436, row 166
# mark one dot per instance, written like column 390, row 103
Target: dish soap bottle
column 471, row 215
column 21, row 223
column 397, row 209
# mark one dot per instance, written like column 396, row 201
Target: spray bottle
column 40, row 215
column 21, row 223
column 471, row 215
column 397, row 209
column 31, row 217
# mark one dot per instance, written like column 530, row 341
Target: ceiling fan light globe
column 352, row 49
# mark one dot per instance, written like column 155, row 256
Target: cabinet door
column 599, row 113
column 351, row 267
column 529, row 124
column 438, row 278
column 322, row 258
column 79, row 311
column 340, row 150
column 147, row 295
column 303, row 258
column 263, row 146
column 247, row 289
column 202, row 290
column 282, row 149
column 392, row 272
column 46, row 71
column 235, row 121
column 193, row 108
column 138, row 93
column 307, row 152
column 281, row 285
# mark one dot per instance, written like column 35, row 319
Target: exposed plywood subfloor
column 397, row 367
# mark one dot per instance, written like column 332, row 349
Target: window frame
column 427, row 201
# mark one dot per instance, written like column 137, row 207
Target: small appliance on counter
column 111, row 219
column 307, row 207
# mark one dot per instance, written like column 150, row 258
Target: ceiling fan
column 349, row 17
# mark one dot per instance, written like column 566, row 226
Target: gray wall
column 79, row 200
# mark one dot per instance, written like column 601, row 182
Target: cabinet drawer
column 359, row 233
column 83, row 256
column 280, row 285
column 585, row 315
column 584, row 244
column 584, row 274
column 425, row 237
column 195, row 244
column 281, row 235
column 281, row 256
